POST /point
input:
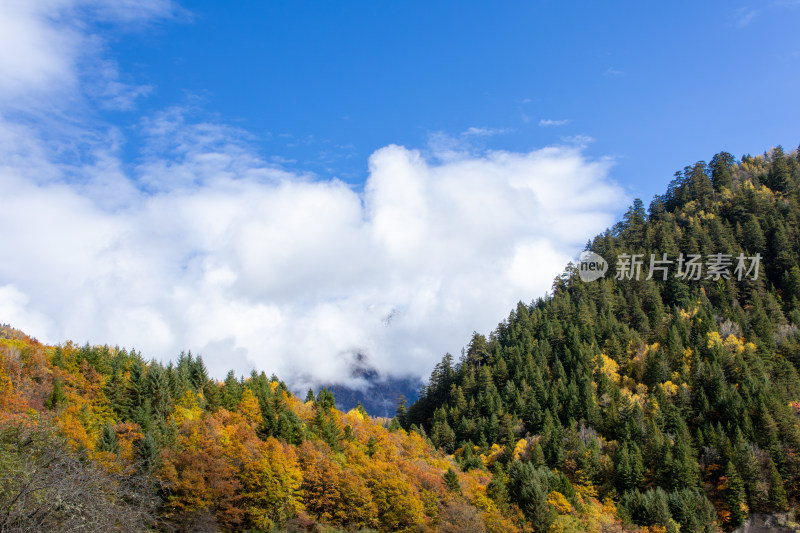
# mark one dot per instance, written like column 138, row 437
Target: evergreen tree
column 734, row 494
column 526, row 488
column 159, row 391
column 372, row 445
column 777, row 493
column 290, row 428
column 198, row 374
column 779, row 177
column 231, row 393
column 108, row 441
column 722, row 170
column 451, row 481
column 325, row 400
column 402, row 412
column 58, row 397
column 148, row 453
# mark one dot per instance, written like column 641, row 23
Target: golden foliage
column 559, row 503
column 608, row 367
column 271, row 485
column 520, row 450
column 248, row 407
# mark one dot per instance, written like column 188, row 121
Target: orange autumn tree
column 332, row 494
column 202, row 478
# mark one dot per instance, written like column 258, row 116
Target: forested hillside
column 662, row 404
column 94, row 438
column 678, row 399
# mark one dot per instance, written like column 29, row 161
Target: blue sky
column 656, row 86
column 294, row 186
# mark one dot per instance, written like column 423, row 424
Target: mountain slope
column 677, row 398
column 95, row 438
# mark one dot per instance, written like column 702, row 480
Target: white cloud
column 611, row 71
column 744, row 16
column 546, row 122
column 207, row 246
column 580, row 139
column 44, row 49
column 484, row 132
column 34, row 53
column 294, row 276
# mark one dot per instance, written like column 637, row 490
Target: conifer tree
column 777, row 493
column 734, row 494
column 108, row 441
column 58, row 397
column 451, row 480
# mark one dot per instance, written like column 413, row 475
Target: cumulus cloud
column 205, row 244
column 260, row 269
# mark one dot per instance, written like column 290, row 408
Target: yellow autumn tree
column 248, row 407
column 271, row 486
column 399, row 507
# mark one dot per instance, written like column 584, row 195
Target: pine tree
column 158, row 391
column 734, row 494
column 325, row 400
column 231, row 393
column 777, row 493
column 325, row 425
column 58, row 357
column 469, row 461
column 212, row 395
column 115, row 391
column 108, row 441
column 402, row 412
column 527, row 489
column 372, row 445
column 148, row 453
column 451, row 481
column 136, row 391
column 721, row 167
column 443, row 436
column 779, row 178
column 684, row 467
column 58, row 397
column 290, row 428
column 622, row 470
column 198, row 374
